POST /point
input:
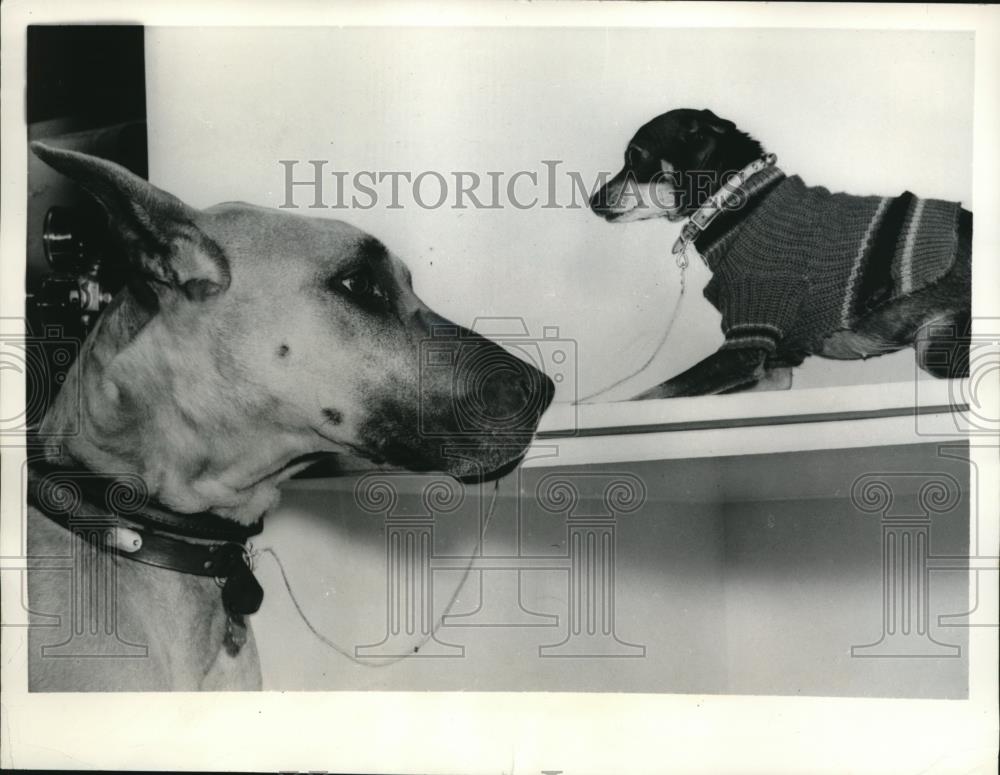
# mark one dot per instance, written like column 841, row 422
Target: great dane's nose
column 547, row 389
column 490, row 389
column 497, row 391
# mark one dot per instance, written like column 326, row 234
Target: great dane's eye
column 362, row 287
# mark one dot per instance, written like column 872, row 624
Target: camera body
column 61, row 309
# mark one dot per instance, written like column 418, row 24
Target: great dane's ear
column 712, row 122
column 158, row 230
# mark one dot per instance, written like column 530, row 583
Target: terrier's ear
column 715, row 124
column 157, row 230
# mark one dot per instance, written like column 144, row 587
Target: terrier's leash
column 682, row 264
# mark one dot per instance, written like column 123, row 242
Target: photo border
column 498, row 732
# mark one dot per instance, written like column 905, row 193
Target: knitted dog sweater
column 806, row 263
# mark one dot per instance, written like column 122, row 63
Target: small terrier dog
column 797, row 270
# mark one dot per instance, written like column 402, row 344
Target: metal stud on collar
column 126, row 540
column 718, row 202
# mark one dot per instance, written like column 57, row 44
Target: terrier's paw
column 659, row 391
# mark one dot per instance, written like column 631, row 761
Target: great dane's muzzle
column 476, row 408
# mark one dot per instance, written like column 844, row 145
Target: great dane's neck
column 132, row 403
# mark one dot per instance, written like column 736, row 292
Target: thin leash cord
column 392, row 660
column 682, row 263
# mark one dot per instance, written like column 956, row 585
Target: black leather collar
column 103, row 509
column 127, row 496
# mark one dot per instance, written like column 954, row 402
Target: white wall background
column 865, row 112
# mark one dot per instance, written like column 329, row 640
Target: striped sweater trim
column 761, row 335
column 906, row 259
column 768, row 343
column 876, row 284
column 864, row 249
column 765, row 329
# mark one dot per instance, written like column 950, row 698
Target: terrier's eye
column 637, row 158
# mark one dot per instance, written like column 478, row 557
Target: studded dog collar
column 729, row 196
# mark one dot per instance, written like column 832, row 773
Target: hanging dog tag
column 236, row 634
column 241, row 594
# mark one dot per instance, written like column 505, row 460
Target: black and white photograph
column 506, row 388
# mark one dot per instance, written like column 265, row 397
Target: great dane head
column 250, row 340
